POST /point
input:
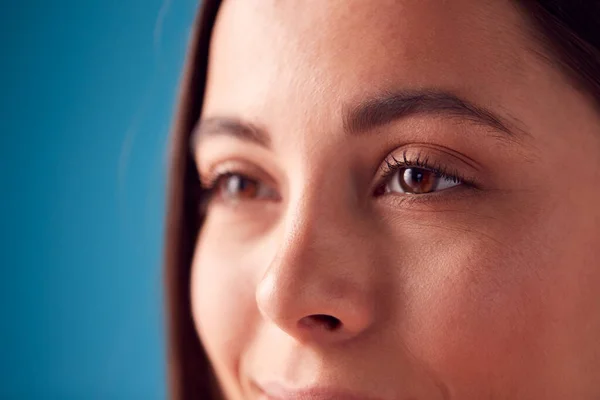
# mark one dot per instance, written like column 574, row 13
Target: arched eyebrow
column 381, row 110
column 375, row 112
column 231, row 127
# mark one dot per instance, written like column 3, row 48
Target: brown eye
column 417, row 180
column 413, row 180
column 235, row 186
column 238, row 187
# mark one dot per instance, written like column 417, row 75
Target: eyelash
column 209, row 185
column 393, row 165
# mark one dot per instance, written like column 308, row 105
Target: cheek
column 482, row 323
column 493, row 307
column 223, row 301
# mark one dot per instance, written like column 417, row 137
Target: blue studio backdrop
column 88, row 89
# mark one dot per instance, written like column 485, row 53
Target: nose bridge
column 322, row 267
column 319, row 224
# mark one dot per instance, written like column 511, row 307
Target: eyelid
column 216, row 170
column 211, row 172
column 438, row 158
column 246, row 157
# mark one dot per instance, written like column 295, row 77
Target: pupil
column 417, row 180
column 417, row 176
column 238, row 187
column 235, row 184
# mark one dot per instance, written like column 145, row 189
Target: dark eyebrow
column 231, row 127
column 384, row 109
column 372, row 113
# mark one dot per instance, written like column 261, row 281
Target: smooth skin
column 316, row 268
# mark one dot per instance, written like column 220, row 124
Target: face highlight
column 403, row 205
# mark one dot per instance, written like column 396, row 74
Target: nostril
column 326, row 321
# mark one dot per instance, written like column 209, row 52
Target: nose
column 321, row 285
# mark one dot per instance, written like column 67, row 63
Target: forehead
column 269, row 58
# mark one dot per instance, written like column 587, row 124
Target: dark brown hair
column 569, row 34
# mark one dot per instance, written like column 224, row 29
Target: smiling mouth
column 273, row 391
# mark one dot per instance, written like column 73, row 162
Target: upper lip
column 278, row 392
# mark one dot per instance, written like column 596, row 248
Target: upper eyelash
column 392, row 165
column 208, row 187
column 210, row 183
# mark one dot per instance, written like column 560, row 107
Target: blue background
column 88, row 91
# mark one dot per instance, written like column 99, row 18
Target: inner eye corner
column 379, row 190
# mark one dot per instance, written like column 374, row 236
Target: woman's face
column 405, row 205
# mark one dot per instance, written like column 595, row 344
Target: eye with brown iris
column 413, row 180
column 416, row 180
column 238, row 187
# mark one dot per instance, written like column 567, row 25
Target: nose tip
column 322, row 284
column 309, row 311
